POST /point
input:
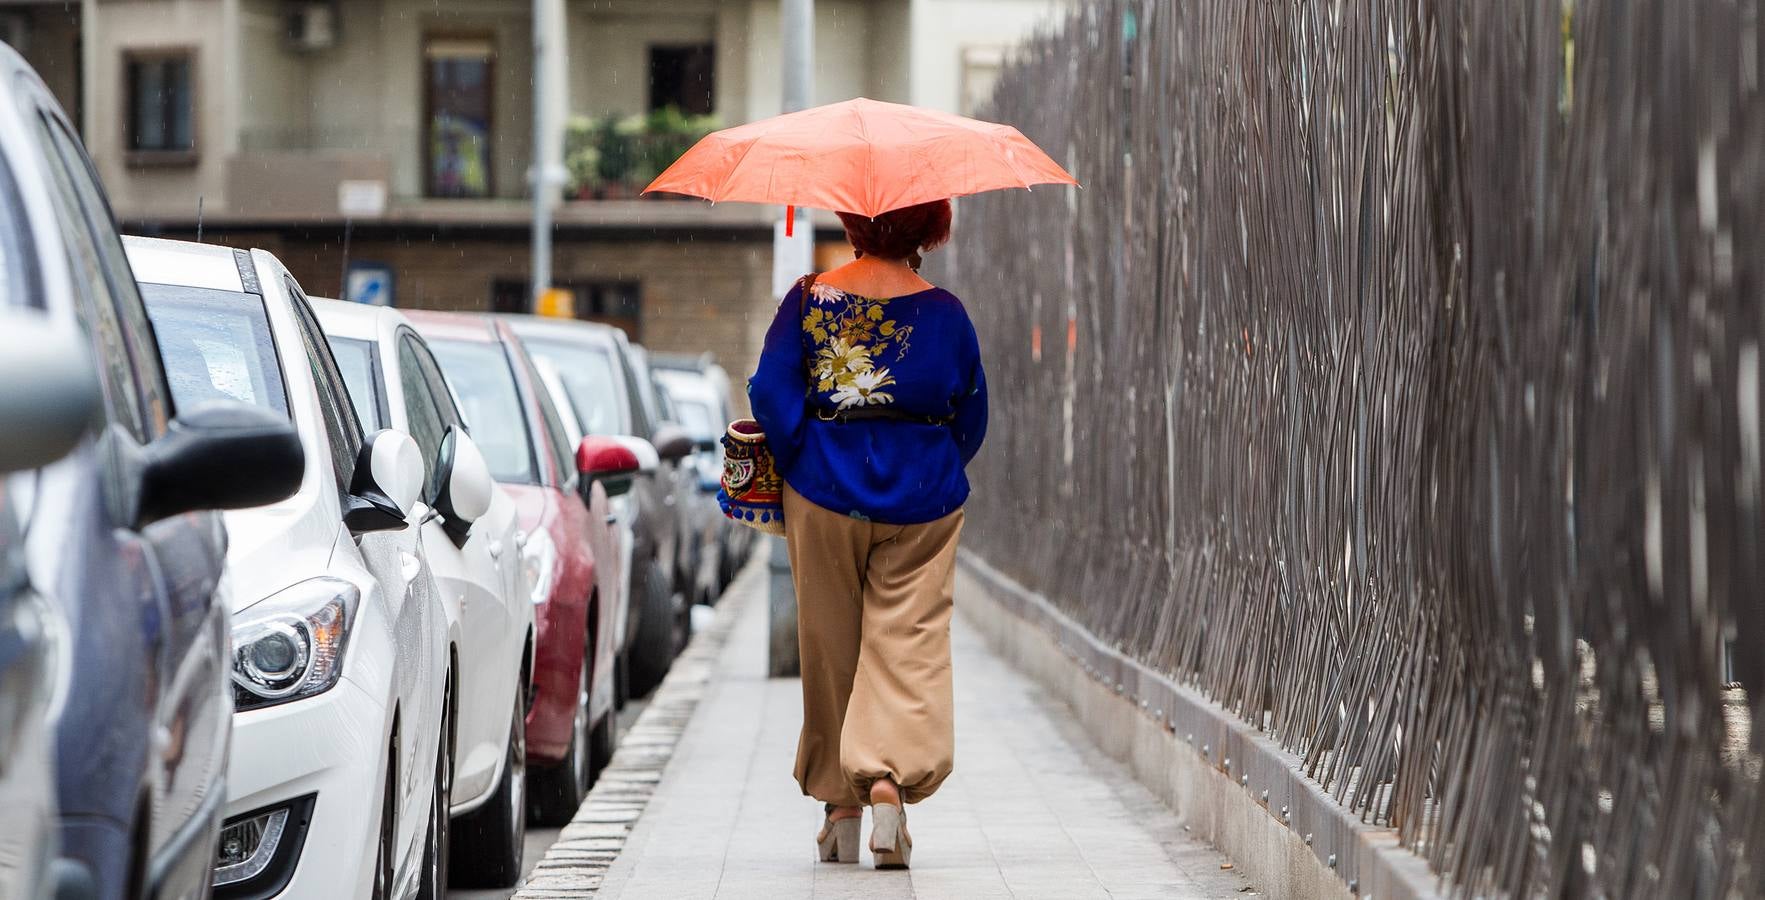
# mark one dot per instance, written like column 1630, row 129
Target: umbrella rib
column 743, row 158
column 870, row 157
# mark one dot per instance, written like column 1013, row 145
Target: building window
column 159, row 87
column 618, row 303
column 458, row 75
column 684, row 77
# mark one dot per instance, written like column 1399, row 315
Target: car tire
column 488, row 843
column 603, row 742
column 621, row 679
column 385, row 851
column 652, row 651
column 435, row 843
column 554, row 793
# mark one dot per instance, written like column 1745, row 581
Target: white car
column 339, row 662
column 396, row 383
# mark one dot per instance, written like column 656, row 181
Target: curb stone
column 574, row 865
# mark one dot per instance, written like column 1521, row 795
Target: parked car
column 601, row 388
column 117, row 536
column 681, row 477
column 340, row 675
column 475, row 553
column 703, row 410
column 695, row 500
column 561, row 492
column 53, row 400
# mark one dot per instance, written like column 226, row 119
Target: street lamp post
column 793, row 254
column 545, row 176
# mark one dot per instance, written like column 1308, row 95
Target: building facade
column 381, row 148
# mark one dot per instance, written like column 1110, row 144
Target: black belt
column 870, row 413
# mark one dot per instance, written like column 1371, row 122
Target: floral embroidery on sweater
column 849, row 334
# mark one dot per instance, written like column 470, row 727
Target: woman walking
column 871, row 396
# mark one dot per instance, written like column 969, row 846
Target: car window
column 483, row 380
column 590, row 382
column 356, row 363
column 215, row 345
column 563, row 452
column 423, row 419
column 137, row 332
column 446, row 404
column 641, row 423
column 18, row 275
column 343, row 429
column 92, row 295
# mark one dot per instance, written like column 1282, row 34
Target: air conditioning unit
column 312, row 25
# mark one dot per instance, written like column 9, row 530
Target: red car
column 570, row 549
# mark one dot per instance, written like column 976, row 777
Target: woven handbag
column 752, row 493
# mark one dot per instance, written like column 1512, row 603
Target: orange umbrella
column 862, row 156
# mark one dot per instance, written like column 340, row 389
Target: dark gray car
column 117, row 536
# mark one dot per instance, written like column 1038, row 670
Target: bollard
column 781, row 659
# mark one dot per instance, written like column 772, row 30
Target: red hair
column 899, row 233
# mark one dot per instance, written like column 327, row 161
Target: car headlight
column 291, row 645
column 539, row 559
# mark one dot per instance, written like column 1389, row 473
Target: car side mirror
column 463, row 484
column 219, row 455
column 387, row 484
column 52, row 396
column 704, row 445
column 672, row 442
column 647, row 459
column 607, row 461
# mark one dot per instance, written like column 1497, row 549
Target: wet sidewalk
column 1032, row 810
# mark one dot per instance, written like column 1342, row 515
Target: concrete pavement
column 1033, row 810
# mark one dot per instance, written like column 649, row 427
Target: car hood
column 270, row 548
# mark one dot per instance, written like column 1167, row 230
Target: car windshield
column 216, row 345
column 696, row 418
column 355, row 360
column 485, row 385
column 593, row 388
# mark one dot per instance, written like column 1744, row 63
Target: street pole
column 793, row 255
column 543, row 178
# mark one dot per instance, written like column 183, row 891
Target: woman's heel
column 889, row 843
column 838, row 841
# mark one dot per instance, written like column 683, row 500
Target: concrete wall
column 609, row 60
column 941, row 29
column 711, row 293
column 208, row 28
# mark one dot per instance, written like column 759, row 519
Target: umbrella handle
column 790, row 221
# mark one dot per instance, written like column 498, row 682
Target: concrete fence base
column 1227, row 783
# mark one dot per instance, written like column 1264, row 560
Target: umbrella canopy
column 862, row 156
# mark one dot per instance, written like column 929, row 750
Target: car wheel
column 652, row 651
column 488, row 843
column 384, row 854
column 556, row 792
column 435, row 849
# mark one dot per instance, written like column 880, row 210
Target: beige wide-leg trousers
column 873, row 625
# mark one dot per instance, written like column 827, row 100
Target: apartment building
column 381, row 148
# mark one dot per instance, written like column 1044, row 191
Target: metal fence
column 1395, row 379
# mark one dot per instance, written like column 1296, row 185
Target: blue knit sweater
column 915, row 353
